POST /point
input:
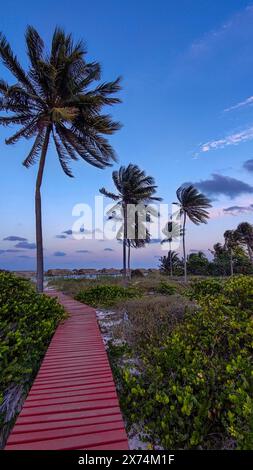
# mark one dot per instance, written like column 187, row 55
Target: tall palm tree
column 231, row 242
column 172, row 231
column 133, row 187
column 54, row 99
column 245, row 234
column 194, row 205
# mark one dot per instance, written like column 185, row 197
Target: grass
column 149, row 284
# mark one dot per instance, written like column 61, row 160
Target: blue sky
column 187, row 116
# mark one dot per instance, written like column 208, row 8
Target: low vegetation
column 106, row 295
column 184, row 366
column 151, row 319
column 27, row 322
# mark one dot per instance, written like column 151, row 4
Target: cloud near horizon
column 238, row 210
column 223, row 185
column 59, row 253
column 26, row 245
column 15, row 238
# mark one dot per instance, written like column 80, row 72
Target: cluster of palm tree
column 56, row 99
column 232, row 256
column 241, row 236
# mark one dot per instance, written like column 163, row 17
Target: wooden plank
column 86, row 441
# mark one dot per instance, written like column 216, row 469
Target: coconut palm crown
column 54, row 98
column 192, row 204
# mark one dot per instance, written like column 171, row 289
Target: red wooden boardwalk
column 73, row 402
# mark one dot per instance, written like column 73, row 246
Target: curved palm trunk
column 124, row 243
column 184, row 253
column 38, row 216
column 171, row 269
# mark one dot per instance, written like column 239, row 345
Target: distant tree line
column 234, row 256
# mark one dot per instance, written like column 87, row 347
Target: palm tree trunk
column 184, row 253
column 128, row 261
column 171, row 271
column 38, row 216
column 124, row 244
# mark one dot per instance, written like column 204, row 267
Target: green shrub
column 165, row 288
column 27, row 322
column 199, row 289
column 106, row 295
column 196, row 389
column 239, row 291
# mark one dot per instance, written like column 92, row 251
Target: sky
column 187, row 115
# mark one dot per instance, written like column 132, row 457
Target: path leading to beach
column 73, row 402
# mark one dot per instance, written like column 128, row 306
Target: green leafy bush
column 106, row 295
column 27, row 322
column 196, row 389
column 165, row 288
column 201, row 288
column 239, row 290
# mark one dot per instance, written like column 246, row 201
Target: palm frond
column 34, row 152
column 63, row 156
column 11, row 62
column 58, row 89
column 27, row 131
column 35, row 46
column 106, row 193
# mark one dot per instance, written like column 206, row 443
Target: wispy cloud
column 10, row 250
column 239, row 105
column 15, row 238
column 238, row 210
column 59, row 253
column 26, row 245
column 231, row 30
column 232, row 139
